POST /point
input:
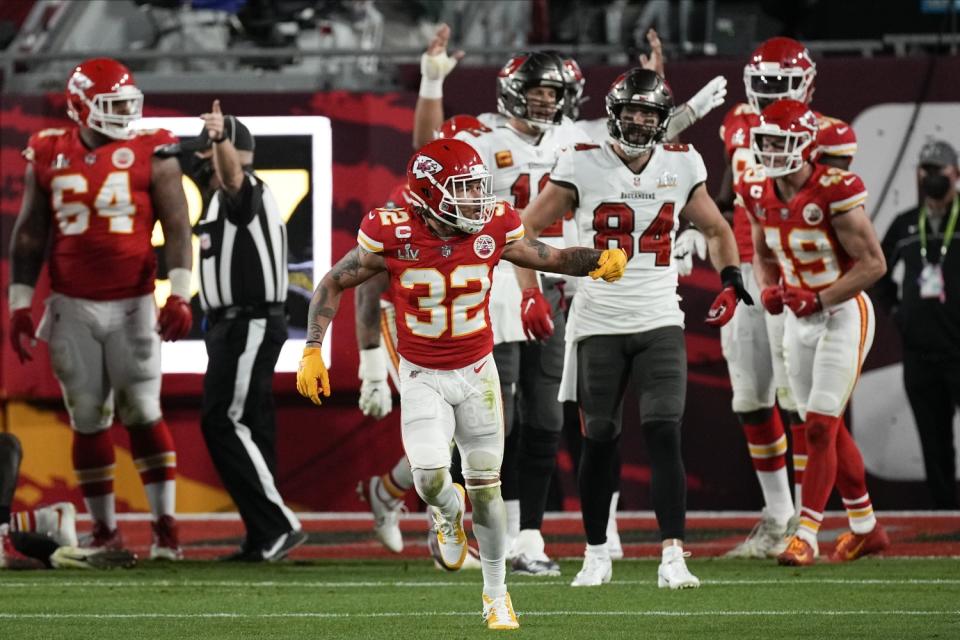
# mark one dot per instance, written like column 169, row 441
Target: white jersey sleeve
column 595, row 130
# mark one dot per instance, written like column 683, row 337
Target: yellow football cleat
column 451, row 538
column 499, row 614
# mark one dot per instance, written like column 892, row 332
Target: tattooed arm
column 533, row 254
column 366, row 302
column 357, row 266
column 549, row 205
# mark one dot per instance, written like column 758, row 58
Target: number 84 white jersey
column 638, row 213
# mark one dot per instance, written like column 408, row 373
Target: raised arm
column 435, row 64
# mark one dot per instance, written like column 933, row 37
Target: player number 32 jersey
column 440, row 287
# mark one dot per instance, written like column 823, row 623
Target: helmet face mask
column 784, row 139
column 780, row 69
column 102, row 96
column 633, row 98
column 523, row 74
column 447, row 179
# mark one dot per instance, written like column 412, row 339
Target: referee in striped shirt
column 243, row 287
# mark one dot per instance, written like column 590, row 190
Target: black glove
column 731, row 277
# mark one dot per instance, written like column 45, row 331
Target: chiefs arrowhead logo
column 424, row 166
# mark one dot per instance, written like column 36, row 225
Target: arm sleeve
column 370, row 235
column 241, row 207
column 681, row 118
column 512, row 226
column 847, row 194
column 563, row 172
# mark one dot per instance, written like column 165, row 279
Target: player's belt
column 245, row 311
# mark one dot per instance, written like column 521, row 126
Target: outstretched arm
column 546, row 208
column 572, row 261
column 354, row 268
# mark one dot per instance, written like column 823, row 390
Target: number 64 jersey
column 637, row 213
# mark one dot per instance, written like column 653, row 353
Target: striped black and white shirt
column 243, row 248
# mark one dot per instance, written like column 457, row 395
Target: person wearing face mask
column 926, row 306
column 243, row 287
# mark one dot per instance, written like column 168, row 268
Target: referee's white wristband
column 180, row 282
column 20, row 296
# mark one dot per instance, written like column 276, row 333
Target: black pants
column 238, row 420
column 933, row 387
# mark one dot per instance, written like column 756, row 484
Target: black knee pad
column 600, row 430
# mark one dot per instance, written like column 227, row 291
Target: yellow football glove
column 312, row 377
column 610, row 265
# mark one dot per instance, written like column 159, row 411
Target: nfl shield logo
column 446, row 250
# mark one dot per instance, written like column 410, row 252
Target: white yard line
column 367, row 584
column 471, row 614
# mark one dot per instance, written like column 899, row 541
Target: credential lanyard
column 947, row 234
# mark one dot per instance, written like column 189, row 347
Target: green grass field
column 872, row 598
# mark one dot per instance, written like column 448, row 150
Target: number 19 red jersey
column 440, row 287
column 800, row 233
column 103, row 216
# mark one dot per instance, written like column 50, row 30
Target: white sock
column 797, row 498
column 490, row 530
column 612, row 521
column 597, row 550
column 513, row 518
column 102, row 509
column 162, row 497
column 401, row 474
column 776, row 494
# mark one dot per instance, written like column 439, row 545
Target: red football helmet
column 463, row 122
column 780, row 68
column 101, row 94
column 448, row 179
column 796, row 126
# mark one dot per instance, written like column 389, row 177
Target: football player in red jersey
column 97, row 190
column 440, row 253
column 780, row 68
column 815, row 254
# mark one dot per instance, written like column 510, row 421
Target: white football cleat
column 530, row 558
column 70, row 557
column 597, row 569
column 767, row 539
column 451, row 538
column 673, row 572
column 59, row 521
column 386, row 513
column 499, row 614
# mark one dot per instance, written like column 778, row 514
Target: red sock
column 767, row 443
column 851, row 475
column 93, row 462
column 821, row 472
column 154, row 453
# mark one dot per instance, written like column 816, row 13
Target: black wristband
column 731, row 277
column 220, row 140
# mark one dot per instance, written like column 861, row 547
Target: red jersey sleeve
column 836, row 138
column 39, row 150
column 154, row 139
column 845, row 191
column 735, row 130
column 371, row 233
column 512, row 226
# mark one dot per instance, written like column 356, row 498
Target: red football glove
column 721, row 311
column 772, row 299
column 175, row 319
column 801, row 301
column 536, row 315
column 22, row 334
